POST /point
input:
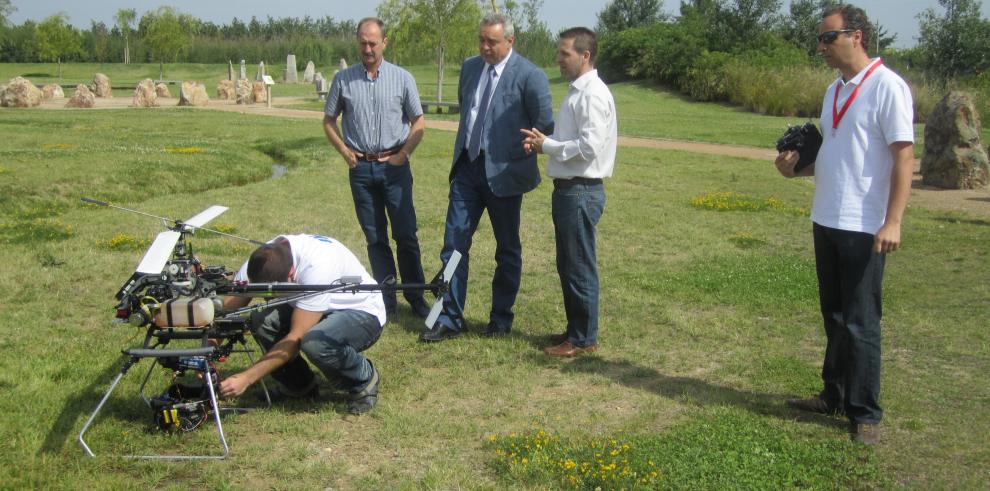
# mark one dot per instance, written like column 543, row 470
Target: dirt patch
column 975, row 202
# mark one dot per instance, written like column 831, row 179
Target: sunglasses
column 830, row 36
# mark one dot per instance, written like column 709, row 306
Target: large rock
column 259, row 75
column 258, row 93
column 101, row 86
column 161, row 90
column 243, row 73
column 225, row 90
column 954, row 158
column 144, row 94
column 21, row 93
column 193, row 94
column 82, row 98
column 244, row 92
column 343, row 64
column 309, row 72
column 291, row 74
column 52, row 91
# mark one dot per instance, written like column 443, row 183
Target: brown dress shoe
column 865, row 433
column 567, row 349
column 813, row 404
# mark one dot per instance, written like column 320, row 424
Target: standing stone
column 243, row 73
column 230, row 70
column 954, row 157
column 258, row 93
column 225, row 90
column 193, row 94
column 161, row 90
column 101, row 86
column 291, row 74
column 21, row 93
column 259, row 75
column 145, row 95
column 52, row 91
column 83, row 98
column 309, row 72
column 243, row 92
column 343, row 64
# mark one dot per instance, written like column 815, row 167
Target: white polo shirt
column 854, row 164
column 321, row 260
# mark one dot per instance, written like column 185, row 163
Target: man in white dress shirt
column 582, row 153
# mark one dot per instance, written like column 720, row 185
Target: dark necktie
column 474, row 148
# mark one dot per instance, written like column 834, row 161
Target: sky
column 897, row 16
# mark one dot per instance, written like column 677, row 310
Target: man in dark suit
column 499, row 92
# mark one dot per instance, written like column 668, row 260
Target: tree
column 57, row 40
column 101, row 41
column 5, row 10
column 955, row 43
column 881, row 38
column 124, row 18
column 164, row 34
column 534, row 40
column 445, row 27
column 620, row 15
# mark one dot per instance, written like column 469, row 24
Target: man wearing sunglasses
column 862, row 180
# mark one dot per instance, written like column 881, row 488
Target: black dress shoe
column 420, row 308
column 439, row 332
column 493, row 330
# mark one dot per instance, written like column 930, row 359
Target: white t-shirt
column 853, row 169
column 321, row 260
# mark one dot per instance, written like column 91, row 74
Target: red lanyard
column 837, row 116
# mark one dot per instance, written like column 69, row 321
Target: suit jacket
column 521, row 100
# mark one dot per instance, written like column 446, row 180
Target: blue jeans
column 850, row 276
column 577, row 207
column 333, row 345
column 470, row 196
column 379, row 188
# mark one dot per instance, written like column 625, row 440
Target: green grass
column 646, row 110
column 709, row 321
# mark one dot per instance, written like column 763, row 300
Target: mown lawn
column 709, row 321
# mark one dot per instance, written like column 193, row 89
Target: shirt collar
column 501, row 65
column 381, row 67
column 584, row 80
column 858, row 79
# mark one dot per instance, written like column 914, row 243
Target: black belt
column 374, row 157
column 574, row 181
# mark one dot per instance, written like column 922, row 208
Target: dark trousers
column 577, row 206
column 379, row 188
column 333, row 345
column 850, row 275
column 470, row 196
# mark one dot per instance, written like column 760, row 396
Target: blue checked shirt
column 376, row 112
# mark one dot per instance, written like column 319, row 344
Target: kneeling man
column 330, row 329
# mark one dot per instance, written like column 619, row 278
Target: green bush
column 705, row 81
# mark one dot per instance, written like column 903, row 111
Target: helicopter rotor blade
column 158, row 254
column 204, row 217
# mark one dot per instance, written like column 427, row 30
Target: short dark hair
column 270, row 262
column 380, row 23
column 584, row 40
column 853, row 18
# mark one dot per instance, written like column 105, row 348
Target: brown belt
column 375, row 157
